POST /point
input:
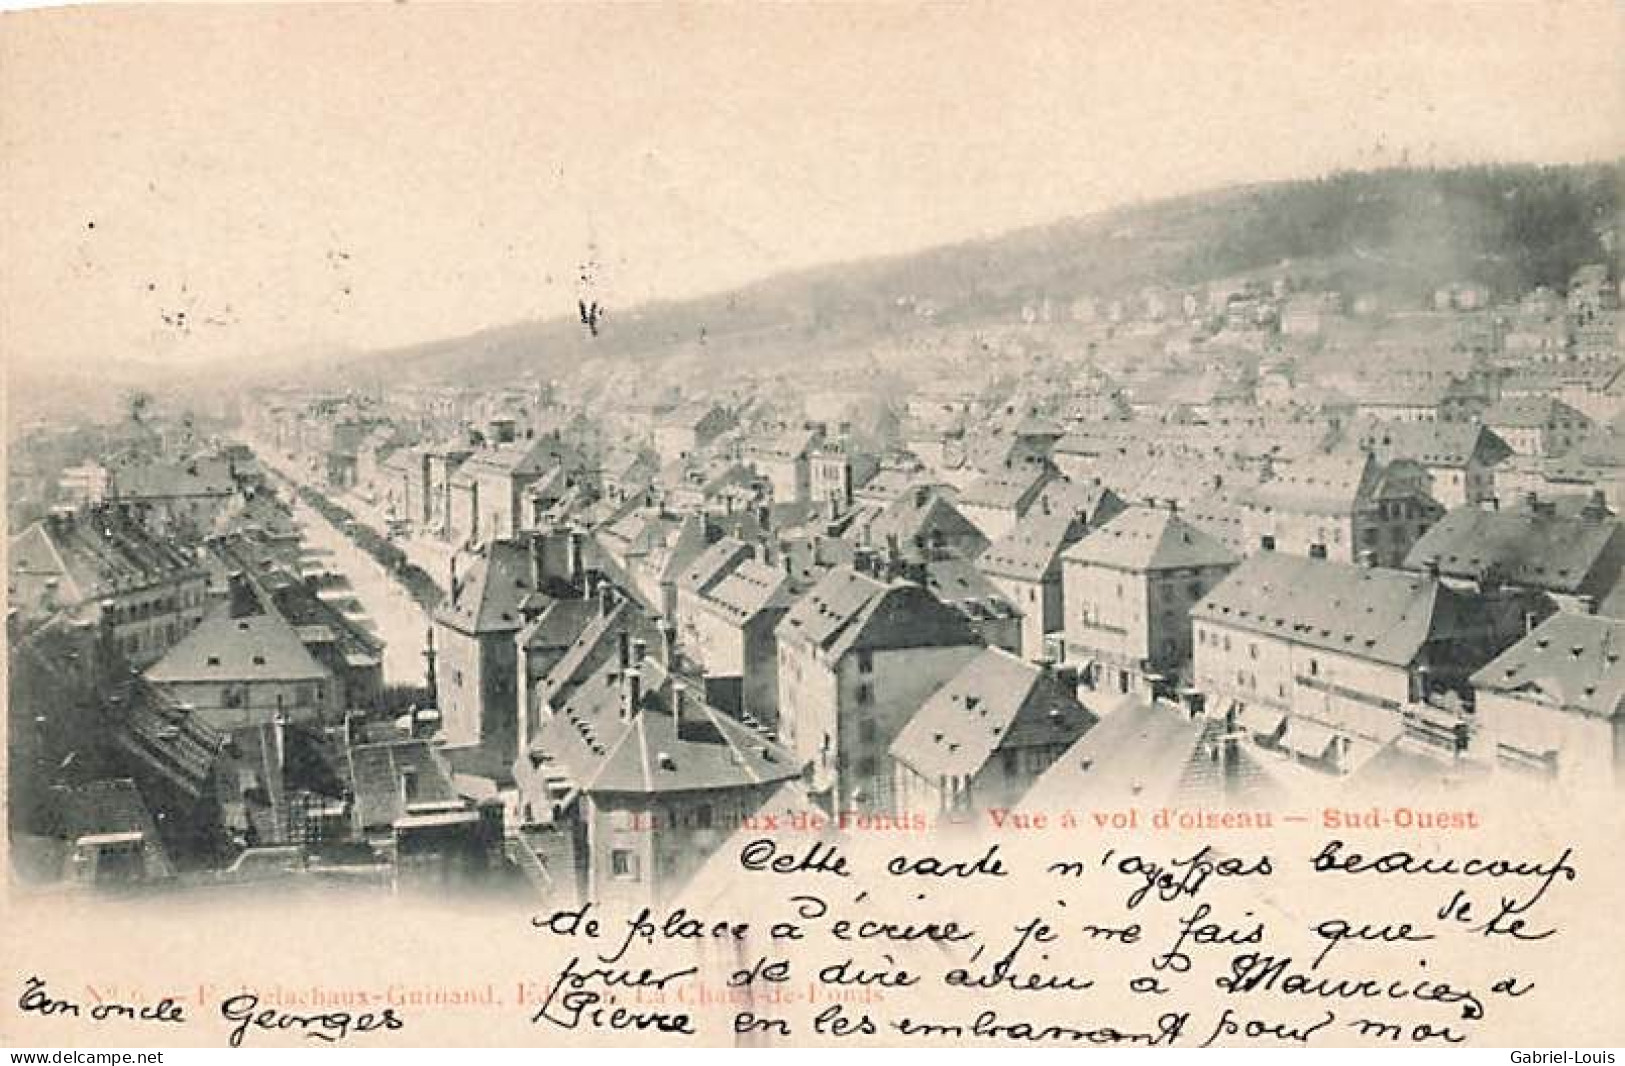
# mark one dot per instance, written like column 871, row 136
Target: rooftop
column 1570, row 661
column 995, row 701
column 1143, row 539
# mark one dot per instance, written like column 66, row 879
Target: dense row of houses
column 1208, row 557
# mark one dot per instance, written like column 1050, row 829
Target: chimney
column 535, row 549
column 668, row 646
column 279, row 736
column 606, row 598
column 241, row 596
column 573, row 557
column 623, row 648
column 631, row 694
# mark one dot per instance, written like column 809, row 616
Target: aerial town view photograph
column 1323, row 474
column 459, row 474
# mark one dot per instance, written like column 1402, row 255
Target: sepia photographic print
column 1086, row 525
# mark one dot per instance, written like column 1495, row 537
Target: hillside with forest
column 1397, row 234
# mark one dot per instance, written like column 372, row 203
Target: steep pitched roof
column 517, row 459
column 1031, row 551
column 1570, row 661
column 1222, row 517
column 749, row 587
column 106, row 807
column 1434, row 443
column 1332, row 484
column 847, row 610
column 1150, row 752
column 375, row 780
column 661, row 747
column 1149, row 538
column 912, row 518
column 1089, row 501
column 713, row 564
column 1532, row 412
column 958, row 583
column 165, row 739
column 890, row 483
column 98, row 552
column 560, row 624
column 1560, row 554
column 996, row 701
column 598, row 643
column 488, row 598
column 1366, row 612
column 254, row 647
column 1008, row 486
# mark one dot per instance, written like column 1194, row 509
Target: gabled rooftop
column 1144, row 539
column 848, row 610
column 1373, row 613
column 996, row 701
column 1573, row 554
column 1570, row 661
column 249, row 648
column 668, row 740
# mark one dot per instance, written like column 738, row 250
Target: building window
column 702, row 816
column 866, row 661
column 1252, row 651
column 1314, row 668
column 867, row 731
column 866, row 694
column 623, row 865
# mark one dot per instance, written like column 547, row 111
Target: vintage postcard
column 816, row 524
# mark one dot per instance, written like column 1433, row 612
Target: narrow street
column 394, row 615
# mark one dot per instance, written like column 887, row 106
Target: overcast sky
column 310, row 178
